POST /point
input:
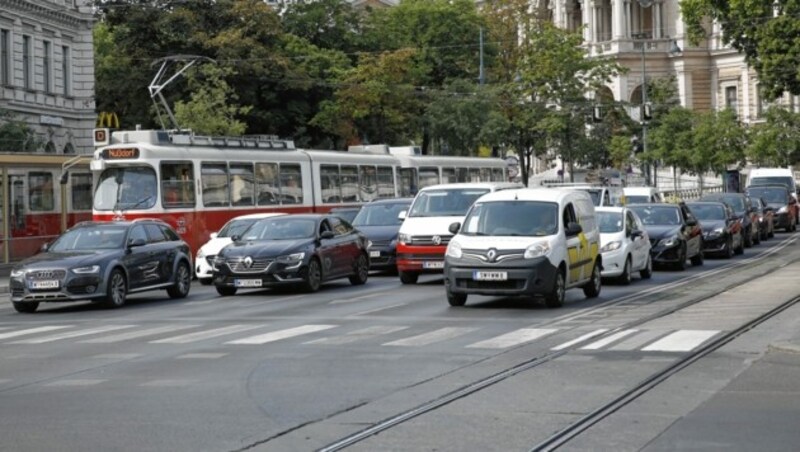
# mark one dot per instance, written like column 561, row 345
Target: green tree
column 212, row 109
column 775, row 142
column 456, row 118
column 16, row 135
column 620, row 152
column 326, row 24
column 672, row 141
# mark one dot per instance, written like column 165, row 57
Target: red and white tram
column 196, row 184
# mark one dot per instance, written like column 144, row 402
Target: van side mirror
column 454, row 228
column 573, row 229
column 402, row 215
column 213, row 235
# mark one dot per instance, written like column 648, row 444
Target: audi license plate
column 44, row 284
column 489, row 276
column 247, row 283
column 374, row 254
column 433, row 265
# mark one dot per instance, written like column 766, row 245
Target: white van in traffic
column 772, row 176
column 602, row 195
column 525, row 242
column 641, row 195
column 424, row 234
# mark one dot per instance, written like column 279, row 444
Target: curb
column 785, row 346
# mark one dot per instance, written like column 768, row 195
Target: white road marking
column 76, row 382
column 168, row 383
column 71, row 334
column 203, row 335
column 136, row 334
column 201, row 356
column 354, row 299
column 605, row 341
column 378, row 309
column 121, row 356
column 513, row 338
column 578, row 340
column 430, row 338
column 40, row 329
column 358, row 335
column 681, row 341
column 282, row 334
column 638, row 340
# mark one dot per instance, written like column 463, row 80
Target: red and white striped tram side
column 196, row 184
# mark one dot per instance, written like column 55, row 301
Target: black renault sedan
column 103, row 262
column 722, row 230
column 378, row 221
column 675, row 234
column 304, row 250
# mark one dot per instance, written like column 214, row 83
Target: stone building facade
column 47, row 71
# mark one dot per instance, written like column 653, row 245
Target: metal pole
column 644, row 102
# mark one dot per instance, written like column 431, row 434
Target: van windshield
column 446, row 202
column 788, row 181
column 637, row 199
column 512, row 218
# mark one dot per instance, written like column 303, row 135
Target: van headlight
column 403, row 239
column 611, row 246
column 454, row 250
column 537, row 250
column 86, row 270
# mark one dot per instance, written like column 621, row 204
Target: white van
column 772, row 176
column 642, row 195
column 424, row 235
column 526, row 242
column 602, row 195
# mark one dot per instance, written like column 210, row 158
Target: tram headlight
column 86, row 270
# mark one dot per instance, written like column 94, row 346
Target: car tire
column 26, row 307
column 183, row 282
column 625, row 277
column 361, row 271
column 697, row 259
column 592, row 288
column 748, row 239
column 757, row 237
column 456, row 299
column 313, row 276
column 647, row 271
column 205, row 281
column 116, row 290
column 740, row 249
column 408, row 277
column 729, row 248
column 681, row 264
column 226, row 291
column 555, row 299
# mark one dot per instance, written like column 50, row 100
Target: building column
column 745, row 82
column 657, row 17
column 587, row 19
column 684, row 86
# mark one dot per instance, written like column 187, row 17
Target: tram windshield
column 126, row 189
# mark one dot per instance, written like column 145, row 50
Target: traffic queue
column 485, row 238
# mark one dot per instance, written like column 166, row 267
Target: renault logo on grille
column 491, row 254
column 248, row 262
column 437, row 240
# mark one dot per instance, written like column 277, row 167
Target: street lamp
column 642, row 110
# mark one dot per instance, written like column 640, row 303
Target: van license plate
column 433, row 265
column 44, row 284
column 489, row 276
column 247, row 283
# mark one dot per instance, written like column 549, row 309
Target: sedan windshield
column 90, row 238
column 771, row 195
column 380, row 214
column 609, row 222
column 281, row 229
column 512, row 218
column 235, row 227
column 445, row 203
column 658, row 215
column 736, row 202
column 708, row 211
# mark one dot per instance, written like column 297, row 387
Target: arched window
column 69, row 148
column 50, row 148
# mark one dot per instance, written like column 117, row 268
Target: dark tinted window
column 658, row 215
column 380, row 214
column 154, row 234
column 708, row 211
column 171, row 235
column 90, row 238
column 137, row 232
column 771, row 195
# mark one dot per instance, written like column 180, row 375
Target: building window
column 47, row 66
column 731, row 99
column 762, row 105
column 65, row 69
column 81, row 191
column 5, row 57
column 26, row 62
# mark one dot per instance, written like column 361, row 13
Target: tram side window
column 331, row 186
column 449, row 176
column 368, row 183
column 386, row 182
column 214, row 180
column 41, row 197
column 463, row 174
column 428, row 176
column 242, row 184
column 474, row 174
column 486, row 174
column 268, row 184
column 291, row 184
column 349, row 175
column 81, row 191
column 177, row 185
column 408, row 182
column 497, row 175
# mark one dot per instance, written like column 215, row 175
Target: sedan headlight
column 453, row 250
column 716, row 232
column 16, row 273
column 217, row 262
column 670, row 241
column 369, row 244
column 783, row 209
column 611, row 246
column 403, row 239
column 537, row 250
column 201, row 255
column 86, row 270
column 291, row 258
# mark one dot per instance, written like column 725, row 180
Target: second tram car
column 196, row 184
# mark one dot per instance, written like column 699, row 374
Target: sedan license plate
column 435, row 264
column 374, row 254
column 247, row 283
column 44, row 284
column 490, row 276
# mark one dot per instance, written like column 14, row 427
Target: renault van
column 527, row 242
column 424, row 235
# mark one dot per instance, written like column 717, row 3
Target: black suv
column 104, row 261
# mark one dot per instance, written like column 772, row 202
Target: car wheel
column 226, row 291
column 729, row 248
column 757, row 237
column 739, row 249
column 456, row 299
column 748, row 237
column 771, row 230
column 697, row 259
column 116, row 291
column 361, row 271
column 205, row 281
column 625, row 277
column 555, row 299
column 592, row 288
column 681, row 264
column 313, row 277
column 408, row 277
column 647, row 271
column 183, row 282
column 26, row 307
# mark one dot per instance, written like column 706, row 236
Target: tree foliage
column 212, row 109
column 16, row 135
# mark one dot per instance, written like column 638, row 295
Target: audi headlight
column 291, row 258
column 17, row 273
column 453, row 250
column 403, row 239
column 537, row 250
column 783, row 209
column 611, row 246
column 86, row 270
column 670, row 241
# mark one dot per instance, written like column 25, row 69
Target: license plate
column 44, row 284
column 433, row 265
column 247, row 283
column 374, row 254
column 489, row 276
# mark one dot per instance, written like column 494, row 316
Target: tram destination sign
column 120, row 153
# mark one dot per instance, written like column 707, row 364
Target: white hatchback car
column 624, row 244
column 207, row 252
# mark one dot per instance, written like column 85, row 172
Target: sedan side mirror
column 636, row 233
column 573, row 229
column 454, row 228
column 769, row 209
column 136, row 242
column 691, row 222
column 234, row 237
column 327, row 235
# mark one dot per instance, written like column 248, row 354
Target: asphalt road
column 279, row 370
